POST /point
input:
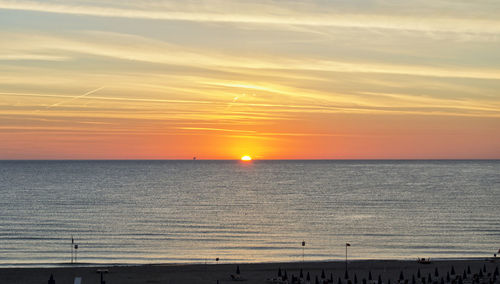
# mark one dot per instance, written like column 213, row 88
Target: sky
column 273, row 79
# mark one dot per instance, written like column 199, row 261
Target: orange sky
column 337, row 80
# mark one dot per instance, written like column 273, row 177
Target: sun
column 246, row 158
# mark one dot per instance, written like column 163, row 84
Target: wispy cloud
column 279, row 17
column 37, row 57
column 76, row 97
column 216, row 129
column 153, row 51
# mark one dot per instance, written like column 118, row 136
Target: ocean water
column 131, row 212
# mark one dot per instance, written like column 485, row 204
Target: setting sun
column 246, row 158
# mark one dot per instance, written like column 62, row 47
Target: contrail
column 77, row 97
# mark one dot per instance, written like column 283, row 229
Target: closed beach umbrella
column 379, row 279
column 388, row 281
column 429, row 278
column 279, row 272
column 323, row 276
column 480, row 273
column 460, row 281
column 316, row 281
column 484, row 267
column 346, row 276
column 442, row 280
column 238, row 270
column 452, row 270
column 355, row 278
column 285, row 277
column 308, row 277
column 413, row 279
column 447, row 276
column 418, row 273
column 401, row 276
column 51, row 279
column 464, row 275
column 468, row 270
column 496, row 271
column 301, row 275
column 436, row 273
column 423, row 280
column 331, row 277
column 364, row 281
column 339, row 281
column 370, row 275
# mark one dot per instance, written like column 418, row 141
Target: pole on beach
column 76, row 250
column 346, row 245
column 72, row 243
column 303, row 250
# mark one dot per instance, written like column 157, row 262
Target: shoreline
column 354, row 260
column 253, row 272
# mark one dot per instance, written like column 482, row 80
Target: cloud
column 37, row 57
column 137, row 48
column 274, row 15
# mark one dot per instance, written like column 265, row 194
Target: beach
column 388, row 270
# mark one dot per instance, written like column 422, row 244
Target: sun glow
column 246, row 158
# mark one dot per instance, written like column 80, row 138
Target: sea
column 203, row 211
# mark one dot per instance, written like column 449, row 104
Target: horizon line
column 254, row 159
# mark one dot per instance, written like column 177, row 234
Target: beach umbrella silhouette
column 339, row 281
column 452, row 270
column 413, row 279
column 331, row 277
column 423, row 280
column 480, row 273
column 346, row 276
column 355, row 278
column 418, row 273
column 468, row 270
column 279, row 271
column 238, row 270
column 388, row 281
column 447, row 276
column 442, row 280
column 370, row 275
column 285, row 276
column 323, row 276
column 496, row 271
column 316, row 281
column 464, row 276
column 364, row 281
column 401, row 276
column 436, row 273
column 484, row 267
column 429, row 278
column 308, row 277
column 460, row 281
column 51, row 279
column 301, row 275
column 379, row 279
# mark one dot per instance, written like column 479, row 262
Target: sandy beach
column 388, row 270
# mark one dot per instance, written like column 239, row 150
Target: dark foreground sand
column 254, row 273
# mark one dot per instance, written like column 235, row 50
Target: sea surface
column 134, row 212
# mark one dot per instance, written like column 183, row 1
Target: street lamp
column 346, row 245
column 303, row 252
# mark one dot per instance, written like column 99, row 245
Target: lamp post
column 72, row 244
column 303, row 250
column 76, row 251
column 346, row 245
